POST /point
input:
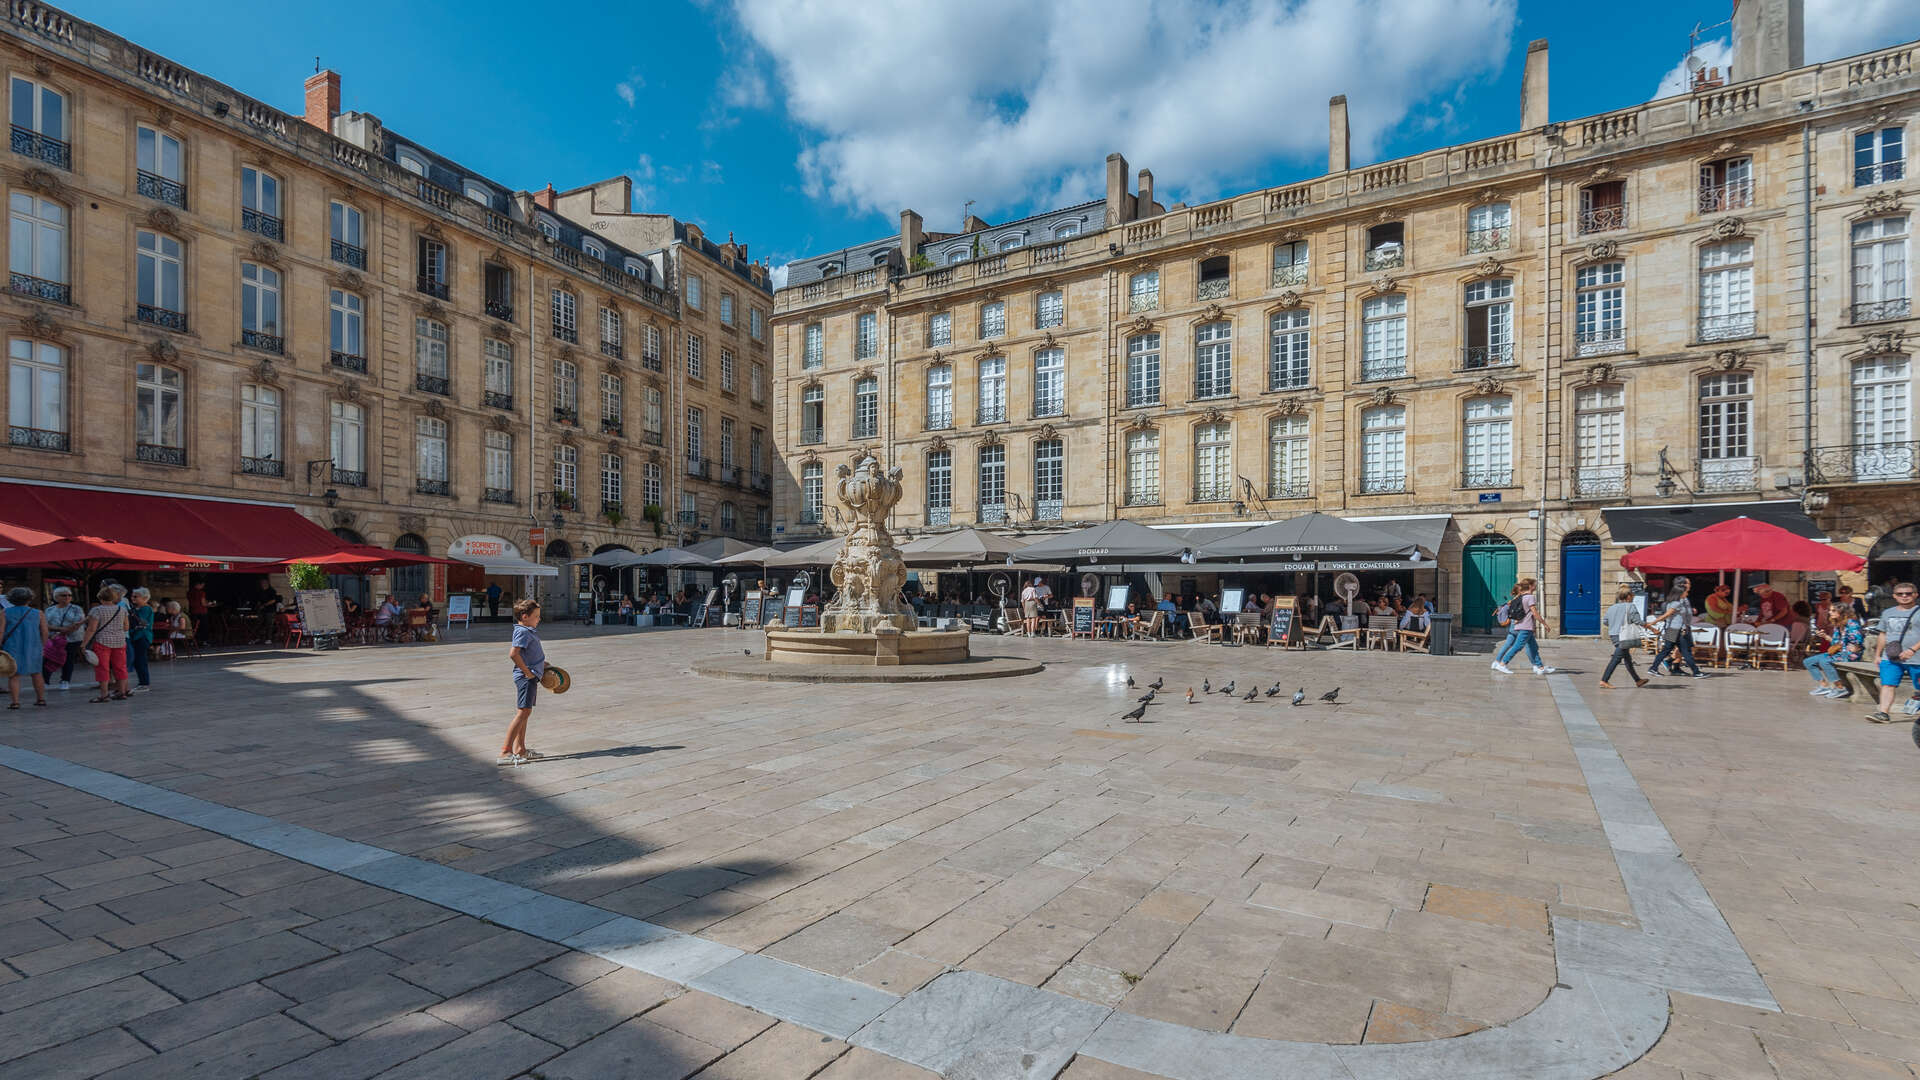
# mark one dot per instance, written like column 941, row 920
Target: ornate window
column 1386, row 246
column 159, row 289
column 726, row 370
column 866, row 335
column 260, row 430
column 612, row 333
column 696, row 359
column 566, row 391
column 260, row 203
column 161, row 166
column 1880, row 282
column 757, row 324
column 1288, row 466
column 1489, row 227
column 696, row 441
column 1143, row 370
column 939, row 397
column 1603, row 206
column 37, row 248
column 1600, row 309
column 866, row 407
column 812, row 493
column 1290, row 265
column 347, row 329
column 1290, row 367
column 1050, row 382
column 1213, row 463
column 1882, row 427
column 566, row 472
column 158, row 408
column 993, row 484
column 1726, row 433
column 726, row 309
column 1143, row 291
column 1879, row 156
column 1726, row 290
column 1383, row 449
column 1726, row 185
column 1143, row 467
column 40, row 123
column 612, row 479
column 940, row 328
column 613, row 404
column 1489, row 442
column 813, row 414
column 37, row 395
column 430, row 263
column 729, row 435
column 1489, row 323
column 653, row 415
column 1215, row 278
column 992, row 391
column 430, row 370
column 816, row 351
column 650, row 347
column 1049, row 310
column 1600, row 441
column 499, row 453
column 260, row 307
column 346, row 235
column 650, row 479
column 430, row 455
column 993, row 319
column 757, row 382
column 347, row 439
column 1383, row 336
column 565, row 322
column 693, row 292
column 940, row 487
column 499, row 373
column 1213, row 359
column 1049, row 480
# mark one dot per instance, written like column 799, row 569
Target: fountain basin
column 884, row 646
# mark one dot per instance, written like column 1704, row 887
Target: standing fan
column 1347, row 587
column 1089, row 584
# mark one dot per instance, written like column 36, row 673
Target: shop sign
column 480, row 548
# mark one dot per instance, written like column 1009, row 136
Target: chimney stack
column 1769, row 37
column 1533, row 87
column 1119, row 203
column 545, row 197
column 1339, row 141
column 1143, row 202
column 912, row 235
column 323, row 99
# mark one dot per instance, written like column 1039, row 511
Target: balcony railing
column 432, row 487
column 566, row 333
column 939, row 419
column 810, row 516
column 161, row 317
column 939, row 515
column 432, row 384
column 153, row 186
column 1383, row 367
column 1738, row 324
column 611, row 425
column 1486, row 356
column 494, row 399
column 811, row 435
column 992, row 513
column 1383, row 483
column 566, row 414
column 38, row 438
column 651, row 361
column 1717, row 198
column 503, row 496
column 866, row 429
column 266, row 225
column 653, row 438
column 1863, row 463
column 349, row 477
column 1051, row 405
column 1600, row 481
column 430, row 285
column 990, row 414
column 263, row 466
column 1214, row 288
column 351, row 254
column 35, row 145
column 1490, row 238
column 1290, row 276
column 1881, row 310
column 265, row 342
column 1289, row 489
column 1603, row 219
column 1137, row 399
column 40, row 288
column 1143, row 497
column 155, row 454
column 1390, row 257
column 762, row 482
column 1486, row 476
column 1139, row 302
column 699, row 468
column 611, row 508
column 349, row 362
column 500, row 309
column 1726, row 474
column 731, row 475
column 1212, row 491
column 1049, row 509
column 612, row 350
column 1606, row 339
column 1863, row 175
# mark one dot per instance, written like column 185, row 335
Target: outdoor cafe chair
column 1770, row 646
column 1707, row 645
column 1381, row 631
column 1345, row 631
column 1740, row 641
column 1151, row 629
column 1416, row 640
column 292, row 632
column 1203, row 631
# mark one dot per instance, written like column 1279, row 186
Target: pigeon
column 1149, row 697
column 1156, row 684
column 1228, row 689
column 1138, row 712
column 1189, row 695
column 1251, row 694
column 746, row 652
column 1274, row 690
column 1331, row 695
column 1130, row 685
column 1300, row 695
column 1206, row 687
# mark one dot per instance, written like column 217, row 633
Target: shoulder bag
column 94, row 659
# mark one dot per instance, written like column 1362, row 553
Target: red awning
column 360, row 558
column 89, row 554
column 209, row 530
column 1739, row 544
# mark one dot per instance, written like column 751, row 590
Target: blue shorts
column 524, row 691
column 1891, row 672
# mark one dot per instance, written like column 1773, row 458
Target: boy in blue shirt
column 529, row 663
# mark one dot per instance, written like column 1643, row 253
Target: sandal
column 13, row 706
column 98, row 700
column 39, row 704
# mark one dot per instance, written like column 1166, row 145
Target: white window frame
column 1143, row 467
column 696, row 358
column 259, row 422
column 159, row 405
column 430, row 448
column 499, row 461
column 814, row 351
column 165, row 256
column 260, row 191
column 993, row 320
column 613, row 478
column 430, row 337
column 1213, row 471
column 564, row 308
column 1600, row 308
column 38, row 238
column 1143, row 369
column 1143, row 291
column 1213, row 359
column 35, row 99
column 1489, row 302
column 566, row 471
column 37, row 389
column 1383, row 449
column 991, row 390
column 940, row 328
column 1383, row 321
column 1050, row 309
column 694, row 290
column 812, row 493
column 347, row 323
column 1290, row 352
column 260, row 299
column 1879, row 167
column 726, row 308
column 1487, row 443
column 1050, row 382
column 1727, row 301
column 347, row 436
column 866, row 407
column 498, row 359
column 939, row 397
column 866, row 335
column 1882, row 265
column 160, row 154
column 1289, row 462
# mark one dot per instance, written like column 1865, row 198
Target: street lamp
column 1665, row 484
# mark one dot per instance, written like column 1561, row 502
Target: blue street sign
column 1489, row 496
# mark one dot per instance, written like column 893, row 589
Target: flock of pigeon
column 1332, row 697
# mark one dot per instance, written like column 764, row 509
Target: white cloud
column 628, row 89
column 642, row 175
column 1707, row 54
column 931, row 104
column 1834, row 29
column 778, row 276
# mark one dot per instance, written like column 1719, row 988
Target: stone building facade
column 211, row 297
column 1532, row 338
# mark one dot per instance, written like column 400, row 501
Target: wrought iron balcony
column 866, row 429
column 1863, row 463
column 1141, row 398
column 1390, row 257
column 1049, row 509
column 699, row 468
column 731, row 475
column 40, row 288
column 1603, row 219
column 1486, row 476
column 566, row 333
column 992, row 513
column 349, row 477
column 1212, row 491
column 432, row 487
column 1863, row 175
column 1143, row 302
column 613, row 350
column 1599, row 342
column 155, row 454
column 263, row 466
column 653, row 438
column 265, row 342
column 38, row 438
column 1715, row 475
column 939, row 515
column 650, row 361
column 812, row 435
column 494, row 399
column 1292, row 378
column 762, row 482
column 991, row 414
column 154, row 186
column 1717, row 198
column 1292, row 275
column 42, row 148
column 351, row 254
column 566, row 414
column 1383, row 367
column 1214, row 288
column 1289, row 489
column 1383, row 483
column 266, row 225
column 1051, row 405
column 1601, row 481
column 1213, row 386
column 503, row 496
column 562, row 499
column 161, row 317
column 1143, row 497
column 612, row 425
column 432, row 384
column 612, row 508
column 939, row 419
column 1490, row 238
column 500, row 309
column 349, row 362
column 1475, row 357
column 1737, row 324
column 430, row 285
column 810, row 516
column 1881, row 310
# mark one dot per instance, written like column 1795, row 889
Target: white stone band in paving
column 1608, row 1008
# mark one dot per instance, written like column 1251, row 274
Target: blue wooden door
column 1580, row 589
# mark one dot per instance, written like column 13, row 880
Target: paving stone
column 714, row 1021
column 331, row 975
column 242, row 963
column 372, row 1051
column 52, row 1022
column 859, row 1064
column 379, row 923
column 836, row 944
column 495, row 1052
column 195, row 1020
column 374, row 1001
column 897, row 972
column 500, row 999
column 244, row 1051
column 636, row 1050
column 1392, row 1022
column 964, row 1023
column 88, row 1055
column 578, row 1015
column 837, row 1007
column 781, row 1050
column 478, row 964
column 1491, row 908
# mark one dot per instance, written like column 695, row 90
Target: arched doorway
column 1492, row 566
column 409, row 582
column 1895, row 558
column 352, row 587
column 618, row 582
column 1580, row 583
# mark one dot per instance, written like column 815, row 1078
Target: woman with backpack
column 1521, row 615
column 1676, row 633
column 1622, row 621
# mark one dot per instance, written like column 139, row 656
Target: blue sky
column 805, row 127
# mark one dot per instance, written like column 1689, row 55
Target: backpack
column 1510, row 612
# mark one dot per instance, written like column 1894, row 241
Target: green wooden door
column 1492, row 568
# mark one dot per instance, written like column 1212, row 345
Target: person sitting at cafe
column 1800, row 622
column 1416, row 618
column 1176, row 619
column 1843, row 597
column 389, row 612
column 1775, row 608
column 626, row 609
column 1846, row 642
column 1719, row 605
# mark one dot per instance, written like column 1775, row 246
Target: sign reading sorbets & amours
column 480, row 548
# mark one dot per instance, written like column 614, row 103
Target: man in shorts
column 1899, row 649
column 529, row 663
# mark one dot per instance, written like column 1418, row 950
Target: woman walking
column 1622, row 621
column 23, row 636
column 1525, row 623
column 107, row 638
column 1676, row 633
column 140, row 636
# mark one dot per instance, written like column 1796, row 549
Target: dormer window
column 549, row 230
column 956, row 256
column 594, row 249
column 478, row 193
column 1012, row 242
column 1386, row 246
column 880, row 258
column 1066, row 229
column 411, row 161
column 636, row 268
column 831, row 269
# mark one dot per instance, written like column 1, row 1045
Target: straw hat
column 556, row 680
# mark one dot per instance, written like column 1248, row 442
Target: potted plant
column 614, row 516
column 653, row 516
column 306, row 577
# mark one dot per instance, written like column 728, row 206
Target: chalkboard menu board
column 583, row 607
column 1083, row 615
column 809, row 615
column 750, row 608
column 708, row 613
column 773, row 610
column 1282, row 625
column 790, row 618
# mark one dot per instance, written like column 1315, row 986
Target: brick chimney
column 545, row 197
column 323, row 99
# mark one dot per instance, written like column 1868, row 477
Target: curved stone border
column 757, row 670
column 1608, row 1008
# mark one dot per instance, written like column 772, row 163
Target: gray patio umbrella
column 720, row 548
column 611, row 560
column 962, row 547
column 751, row 557
column 820, row 554
column 1310, row 536
column 674, row 558
column 1115, row 541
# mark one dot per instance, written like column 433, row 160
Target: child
column 529, row 663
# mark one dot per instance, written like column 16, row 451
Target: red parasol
column 90, row 554
column 1739, row 544
column 360, row 558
